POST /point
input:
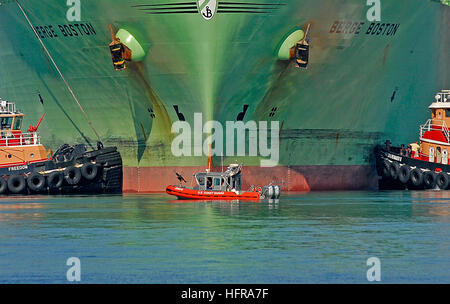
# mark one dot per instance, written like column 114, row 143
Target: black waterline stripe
column 173, row 12
column 251, row 3
column 167, row 4
column 248, row 7
column 243, row 11
column 168, row 8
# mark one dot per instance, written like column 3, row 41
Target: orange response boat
column 222, row 186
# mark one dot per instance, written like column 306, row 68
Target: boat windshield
column 5, row 123
column 18, row 123
column 200, row 177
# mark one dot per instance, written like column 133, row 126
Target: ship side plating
column 366, row 80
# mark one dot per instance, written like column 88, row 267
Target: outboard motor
column 271, row 192
column 277, row 191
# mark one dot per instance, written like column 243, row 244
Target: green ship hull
column 364, row 83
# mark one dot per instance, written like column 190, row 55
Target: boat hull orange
column 185, row 193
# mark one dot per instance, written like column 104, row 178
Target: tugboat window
column 5, row 123
column 447, row 112
column 18, row 123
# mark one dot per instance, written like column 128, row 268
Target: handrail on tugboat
column 24, row 139
column 430, row 126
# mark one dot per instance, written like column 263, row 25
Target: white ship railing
column 425, row 127
column 7, row 107
column 429, row 126
column 445, row 130
column 25, row 139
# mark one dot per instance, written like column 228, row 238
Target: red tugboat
column 422, row 165
column 222, row 186
column 26, row 166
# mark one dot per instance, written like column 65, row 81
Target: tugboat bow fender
column 386, row 168
column 416, row 177
column 55, row 180
column 429, row 179
column 3, row 185
column 442, row 180
column 404, row 174
column 89, row 171
column 394, row 170
column 16, row 184
column 73, row 175
column 36, row 182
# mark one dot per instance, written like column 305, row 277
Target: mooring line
column 59, row 71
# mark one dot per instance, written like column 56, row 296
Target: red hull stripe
column 23, row 163
column 212, row 195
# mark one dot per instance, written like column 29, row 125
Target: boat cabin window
column 447, row 113
column 5, row 123
column 217, row 182
column 18, row 123
column 209, row 183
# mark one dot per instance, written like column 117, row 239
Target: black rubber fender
column 416, row 177
column 3, row 185
column 89, row 171
column 16, row 184
column 72, row 175
column 442, row 180
column 55, row 180
column 404, row 174
column 36, row 182
column 394, row 170
column 386, row 168
column 429, row 179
